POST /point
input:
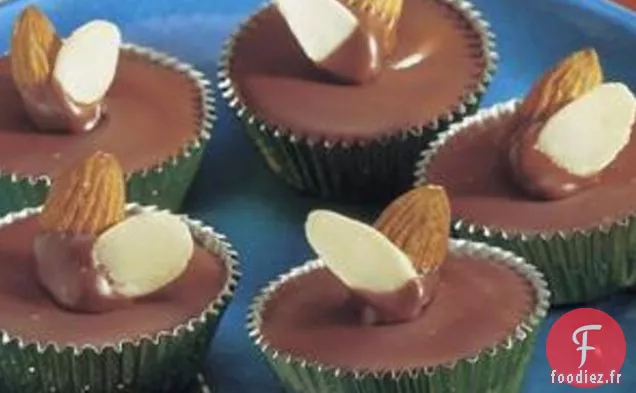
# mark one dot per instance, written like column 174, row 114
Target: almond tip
column 87, row 198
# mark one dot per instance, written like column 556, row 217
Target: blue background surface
column 237, row 195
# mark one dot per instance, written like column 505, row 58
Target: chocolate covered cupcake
column 102, row 297
column 340, row 95
column 400, row 307
column 64, row 99
column 550, row 177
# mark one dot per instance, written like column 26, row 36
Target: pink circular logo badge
column 586, row 348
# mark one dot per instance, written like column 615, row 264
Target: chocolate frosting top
column 477, row 304
column 153, row 112
column 283, row 87
column 28, row 311
column 474, row 169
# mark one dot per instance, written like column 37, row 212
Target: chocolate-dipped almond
column 89, row 256
column 570, row 151
column 62, row 82
column 418, row 222
column 83, row 201
column 349, row 39
column 571, row 78
column 379, row 275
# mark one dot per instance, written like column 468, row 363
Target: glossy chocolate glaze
column 65, row 268
column 29, row 312
column 283, row 87
column 358, row 60
column 474, row 168
column 52, row 110
column 404, row 304
column 152, row 113
column 364, row 53
column 477, row 304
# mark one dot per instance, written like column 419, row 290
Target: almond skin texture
column 87, row 198
column 569, row 79
column 34, row 46
column 418, row 222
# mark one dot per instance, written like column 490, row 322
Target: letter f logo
column 584, row 348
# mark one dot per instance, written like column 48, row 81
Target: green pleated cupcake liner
column 499, row 368
column 201, row 385
column 351, row 170
column 580, row 265
column 165, row 362
column 164, row 185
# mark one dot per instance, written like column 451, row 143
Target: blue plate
column 235, row 193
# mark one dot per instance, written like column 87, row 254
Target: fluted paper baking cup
column 496, row 369
column 165, row 184
column 351, row 170
column 580, row 265
column 166, row 362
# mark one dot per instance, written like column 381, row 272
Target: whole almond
column 87, row 198
column 418, row 222
column 34, row 46
column 569, row 79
